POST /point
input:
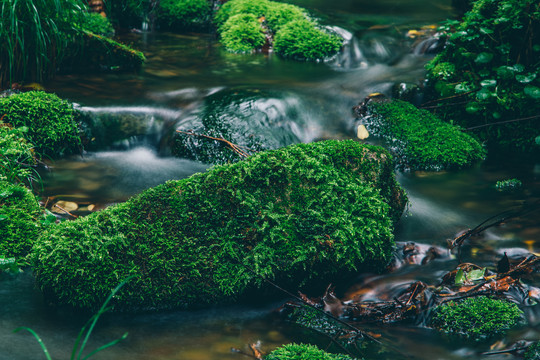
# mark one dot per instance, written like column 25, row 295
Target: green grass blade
column 43, row 347
column 103, row 347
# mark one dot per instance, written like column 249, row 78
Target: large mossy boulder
column 299, row 215
column 183, row 14
column 488, row 76
column 16, row 156
column 20, row 213
column 49, row 119
column 254, row 120
column 477, row 318
column 420, row 139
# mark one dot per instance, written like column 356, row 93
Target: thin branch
column 236, row 148
column 503, row 122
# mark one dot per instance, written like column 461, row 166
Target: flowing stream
column 134, row 116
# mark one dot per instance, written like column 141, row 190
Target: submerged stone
column 298, row 215
column 303, row 351
column 420, row 140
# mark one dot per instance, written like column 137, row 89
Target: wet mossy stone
column 533, row 352
column 19, row 225
column 477, row 318
column 49, row 119
column 16, row 156
column 298, row 215
column 303, row 352
column 255, row 120
column 420, row 139
column 183, row 14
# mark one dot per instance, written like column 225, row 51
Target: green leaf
column 525, row 79
column 474, row 275
column 488, row 83
column 537, row 140
column 532, row 91
column 483, row 58
column 460, row 277
column 3, row 217
column 473, row 107
column 483, row 94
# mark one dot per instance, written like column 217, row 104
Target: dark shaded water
column 182, row 71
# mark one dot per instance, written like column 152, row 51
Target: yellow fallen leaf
column 362, row 132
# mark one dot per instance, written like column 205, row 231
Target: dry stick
column 449, row 97
column 236, row 148
column 64, row 210
column 503, row 122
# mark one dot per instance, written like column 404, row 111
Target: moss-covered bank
column 49, row 120
column 420, row 140
column 296, row 214
column 19, row 225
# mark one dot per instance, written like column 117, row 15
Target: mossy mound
column 255, row 120
column 49, row 119
column 477, row 318
column 488, row 75
column 16, row 156
column 97, row 24
column 296, row 215
column 19, row 225
column 420, row 139
column 183, row 14
column 533, row 352
column 303, row 352
column 249, row 25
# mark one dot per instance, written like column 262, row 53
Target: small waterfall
column 351, row 55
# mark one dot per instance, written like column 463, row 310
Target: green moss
column 242, row 33
column 183, row 14
column 19, row 225
column 252, row 119
column 509, row 184
column 97, row 24
column 49, row 119
column 421, row 140
column 533, row 352
column 16, row 156
column 304, row 213
column 489, row 73
column 295, row 34
column 477, row 318
column 303, row 352
column 304, row 40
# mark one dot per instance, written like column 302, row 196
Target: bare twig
column 503, row 122
column 64, row 210
column 236, row 148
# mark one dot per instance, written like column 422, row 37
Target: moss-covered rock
column 183, row 14
column 477, row 318
column 295, row 215
column 16, row 156
column 49, row 119
column 420, row 139
column 19, row 225
column 97, row 24
column 533, row 352
column 248, row 25
column 255, row 120
column 303, row 352
column 488, row 74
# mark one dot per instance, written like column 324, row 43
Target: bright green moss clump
column 421, row 140
column 19, row 226
column 183, row 14
column 97, row 24
column 49, row 119
column 16, row 156
column 477, row 318
column 303, row 352
column 489, row 72
column 245, row 25
column 298, row 214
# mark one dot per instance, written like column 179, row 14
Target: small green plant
column 304, row 40
column 17, row 158
column 9, row 265
column 49, row 119
column 509, row 184
column 97, row 24
column 303, row 352
column 488, row 75
column 82, row 339
column 183, row 14
column 533, row 352
column 477, row 318
column 420, row 139
column 19, row 221
column 242, row 33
